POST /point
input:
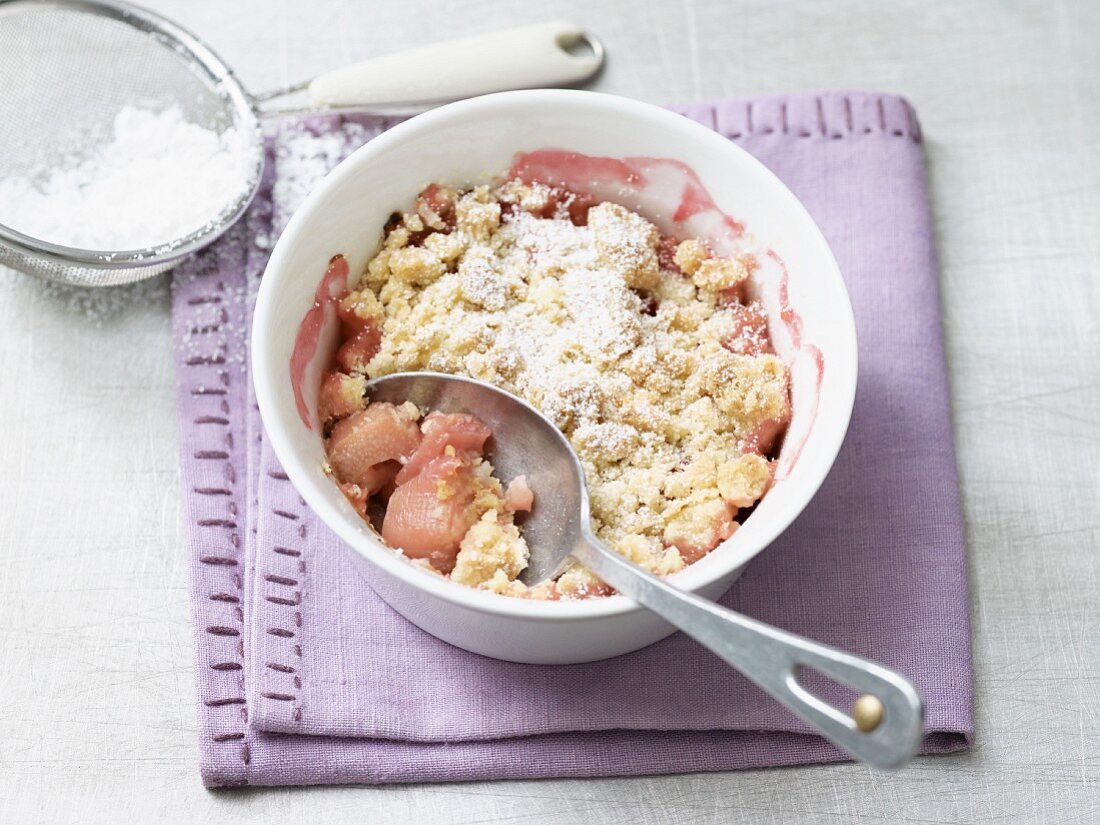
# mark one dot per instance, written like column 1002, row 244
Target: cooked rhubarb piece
column 380, row 433
column 440, row 430
column 428, row 515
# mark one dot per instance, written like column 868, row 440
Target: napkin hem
column 305, row 760
column 206, row 313
column 834, row 116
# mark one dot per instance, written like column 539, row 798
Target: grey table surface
column 97, row 716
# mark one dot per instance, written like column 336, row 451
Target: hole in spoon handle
column 883, row 724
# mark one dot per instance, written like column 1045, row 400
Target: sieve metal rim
column 197, row 55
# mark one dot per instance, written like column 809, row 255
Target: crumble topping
column 491, row 546
column 657, row 371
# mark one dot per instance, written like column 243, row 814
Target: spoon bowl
column 524, row 443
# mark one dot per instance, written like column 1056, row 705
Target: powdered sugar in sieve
column 126, row 144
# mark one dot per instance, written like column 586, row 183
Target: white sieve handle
column 520, row 58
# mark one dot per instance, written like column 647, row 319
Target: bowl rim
column 394, row 563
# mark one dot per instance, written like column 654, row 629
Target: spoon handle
column 883, row 727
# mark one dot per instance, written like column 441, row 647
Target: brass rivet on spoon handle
column 867, row 712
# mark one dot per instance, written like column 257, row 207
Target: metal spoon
column 883, row 727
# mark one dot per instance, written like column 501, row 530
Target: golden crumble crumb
column 693, row 529
column 577, row 582
column 717, row 274
column 743, row 481
column 490, row 548
column 626, row 244
column 500, row 583
column 749, row 389
column 413, row 222
column 341, row 395
column 353, row 390
column 532, row 197
column 364, row 305
column 671, row 562
column 607, row 441
column 477, row 216
column 416, row 265
column 447, row 247
column 689, row 255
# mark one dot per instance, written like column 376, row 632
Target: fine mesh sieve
column 68, row 69
column 70, row 66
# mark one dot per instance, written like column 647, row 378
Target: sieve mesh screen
column 68, row 69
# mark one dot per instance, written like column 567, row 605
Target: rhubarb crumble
column 644, row 351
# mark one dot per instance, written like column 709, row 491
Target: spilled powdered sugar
column 95, row 306
column 302, row 157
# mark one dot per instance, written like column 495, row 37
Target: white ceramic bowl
column 474, row 141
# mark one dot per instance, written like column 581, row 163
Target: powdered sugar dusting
column 96, row 306
column 551, row 357
column 564, row 363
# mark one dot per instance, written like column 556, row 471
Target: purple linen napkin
column 306, row 677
